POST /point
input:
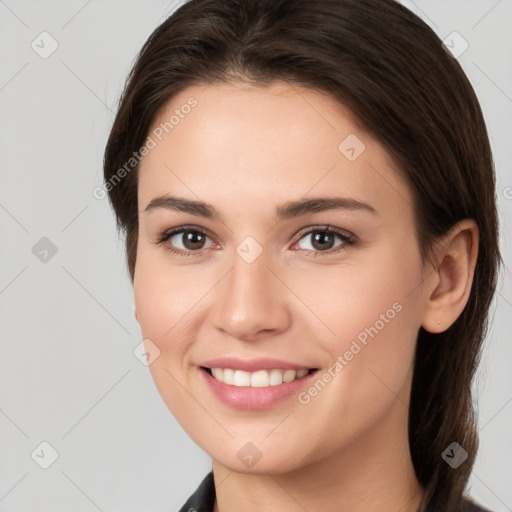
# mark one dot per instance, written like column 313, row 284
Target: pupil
column 325, row 237
column 193, row 240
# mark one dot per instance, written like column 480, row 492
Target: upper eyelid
column 182, row 229
column 325, row 227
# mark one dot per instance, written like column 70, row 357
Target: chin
column 247, row 459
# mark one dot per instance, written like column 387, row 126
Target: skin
column 246, row 150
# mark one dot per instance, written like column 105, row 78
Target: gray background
column 68, row 375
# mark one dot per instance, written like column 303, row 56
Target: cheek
column 163, row 292
column 161, row 301
column 163, row 304
column 370, row 314
column 374, row 292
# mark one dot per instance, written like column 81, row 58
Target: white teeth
column 258, row 379
column 217, row 373
column 289, row 375
column 276, row 377
column 228, row 376
column 242, row 378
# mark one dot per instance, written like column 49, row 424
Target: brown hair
column 393, row 73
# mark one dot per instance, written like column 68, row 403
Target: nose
column 251, row 302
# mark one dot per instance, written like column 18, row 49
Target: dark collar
column 203, row 498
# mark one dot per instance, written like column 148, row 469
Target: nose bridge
column 250, row 298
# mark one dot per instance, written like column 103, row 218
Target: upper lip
column 251, row 365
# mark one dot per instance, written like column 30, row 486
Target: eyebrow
column 287, row 210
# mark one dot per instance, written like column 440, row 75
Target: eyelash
column 347, row 239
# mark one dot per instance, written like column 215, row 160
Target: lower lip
column 246, row 397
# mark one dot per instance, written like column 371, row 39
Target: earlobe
column 452, row 279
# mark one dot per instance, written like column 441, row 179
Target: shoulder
column 203, row 498
column 469, row 505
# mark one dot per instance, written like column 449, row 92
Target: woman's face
column 257, row 276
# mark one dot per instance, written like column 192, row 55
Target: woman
column 307, row 194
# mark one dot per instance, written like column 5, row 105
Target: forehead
column 222, row 142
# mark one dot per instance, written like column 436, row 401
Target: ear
column 448, row 286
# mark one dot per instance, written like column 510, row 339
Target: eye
column 323, row 239
column 184, row 240
column 192, row 241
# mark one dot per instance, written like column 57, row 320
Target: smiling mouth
column 257, row 379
